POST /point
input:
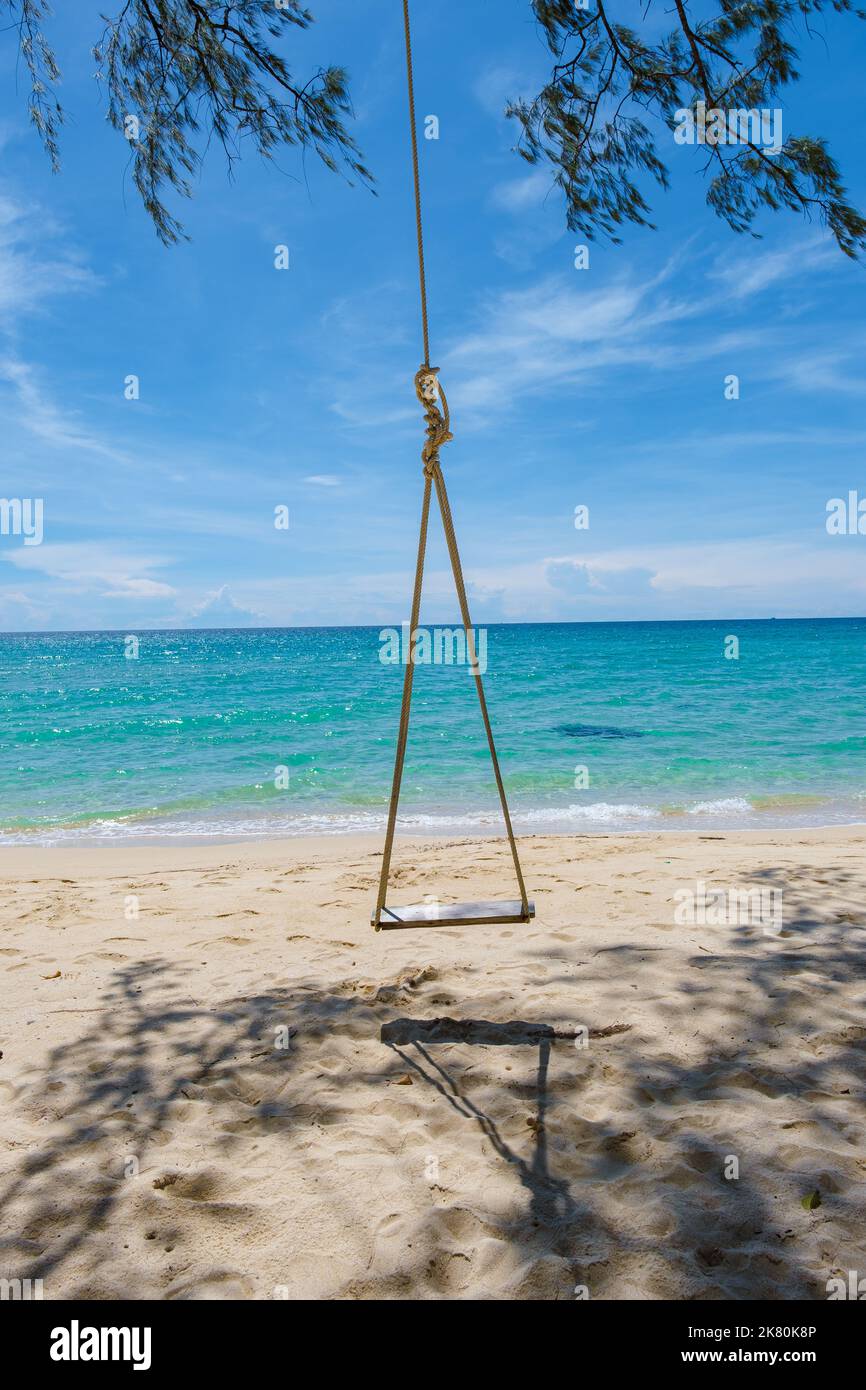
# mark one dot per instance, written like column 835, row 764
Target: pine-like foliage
column 610, row 106
column 180, row 73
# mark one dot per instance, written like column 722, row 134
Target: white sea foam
column 603, row 812
column 724, row 813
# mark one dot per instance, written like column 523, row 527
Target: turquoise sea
column 185, row 741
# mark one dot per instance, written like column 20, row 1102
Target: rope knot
column 428, row 389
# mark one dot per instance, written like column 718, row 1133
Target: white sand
column 157, row 1144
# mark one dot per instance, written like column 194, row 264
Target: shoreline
column 711, row 828
column 371, row 842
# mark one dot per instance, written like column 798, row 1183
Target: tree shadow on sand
column 640, row 1208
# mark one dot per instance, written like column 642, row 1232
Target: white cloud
column 807, row 436
column 570, row 577
column 554, row 334
column 371, row 417
column 85, row 566
column 33, row 268
column 504, row 82
column 42, row 418
column 34, row 271
column 219, row 609
column 822, row 371
column 575, row 578
column 17, row 607
column 746, row 273
column 754, row 577
column 130, row 587
column 516, row 195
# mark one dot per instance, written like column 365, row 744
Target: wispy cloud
column 826, row 371
column 519, row 194
column 562, row 332
column 694, row 442
column 502, row 82
column 84, row 566
column 41, row 417
column 35, row 267
column 554, row 334
column 744, row 273
column 371, row 416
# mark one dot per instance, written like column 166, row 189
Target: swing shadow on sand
column 549, row 1196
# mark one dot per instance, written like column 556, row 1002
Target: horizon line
column 359, row 627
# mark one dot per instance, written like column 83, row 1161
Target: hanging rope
column 438, row 431
column 413, row 132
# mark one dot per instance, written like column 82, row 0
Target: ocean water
column 185, row 741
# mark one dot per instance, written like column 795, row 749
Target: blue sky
column 260, row 387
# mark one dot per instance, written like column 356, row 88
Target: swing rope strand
column 413, row 130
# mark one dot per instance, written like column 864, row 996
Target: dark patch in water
column 597, row 731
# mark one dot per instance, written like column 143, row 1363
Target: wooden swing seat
column 453, row 914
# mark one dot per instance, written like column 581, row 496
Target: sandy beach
column 218, row 1082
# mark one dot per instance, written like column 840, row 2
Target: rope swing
column 429, row 391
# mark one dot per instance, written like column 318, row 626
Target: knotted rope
column 428, row 389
